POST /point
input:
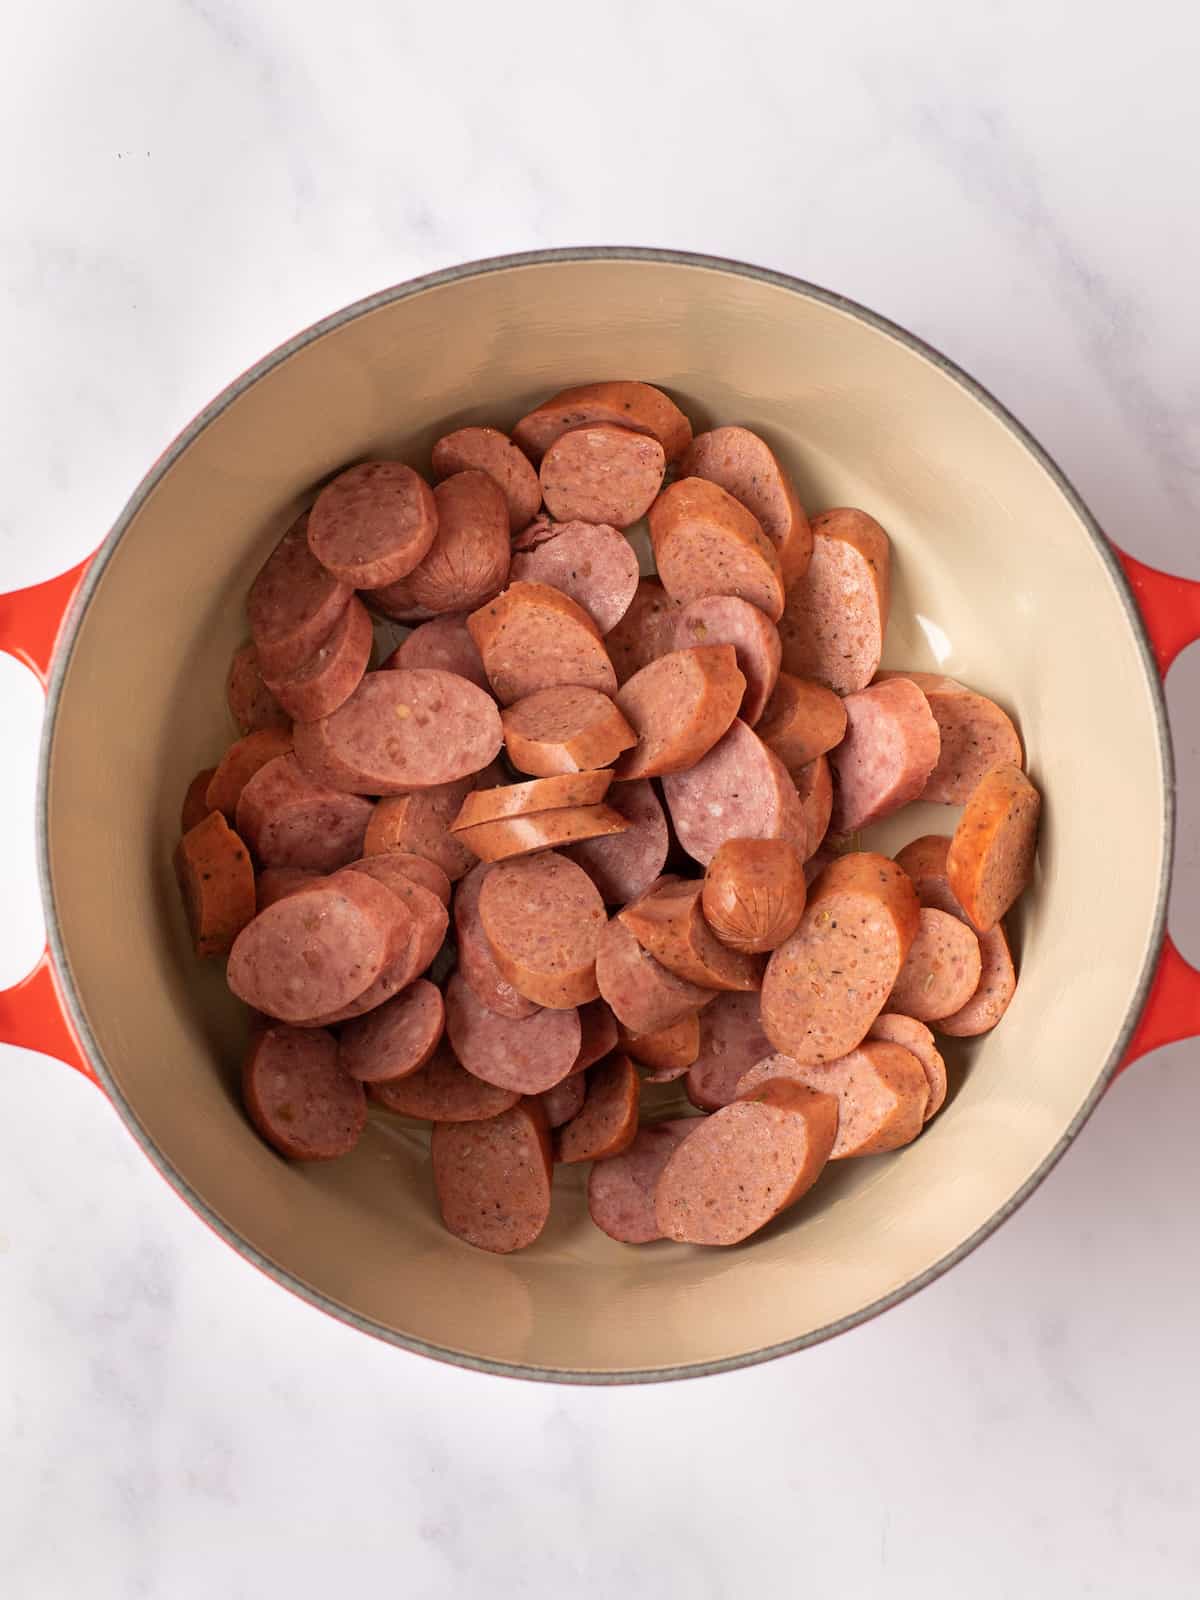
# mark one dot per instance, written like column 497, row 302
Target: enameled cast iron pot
column 1002, row 578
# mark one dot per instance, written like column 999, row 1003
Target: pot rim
column 402, row 291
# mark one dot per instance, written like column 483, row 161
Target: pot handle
column 1170, row 609
column 32, row 1013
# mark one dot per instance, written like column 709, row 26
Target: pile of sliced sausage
column 587, row 830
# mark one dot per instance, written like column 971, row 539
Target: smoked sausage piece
column 645, row 632
column 331, row 674
column 643, row 995
column 293, row 603
column 525, row 799
column 706, row 542
column 592, row 562
column 195, row 802
column 890, row 748
column 251, row 703
column 746, row 468
column 297, row 1095
column 814, row 788
column 239, row 764
column 976, row 735
column 597, row 1035
column 601, row 474
column 493, row 1177
column 273, row 883
column 529, row 1054
column 724, row 619
column 397, row 1038
column 679, row 706
column 444, row 643
column 731, row 1041
column 427, row 874
column 488, row 450
column 832, row 629
column 442, row 1091
column 627, row 402
column 290, row 821
column 915, row 1036
column 532, row 637
column 941, row 971
column 739, row 789
column 990, row 860
column 608, row 1122
column 216, row 879
column 543, row 918
column 880, row 1088
column 373, row 523
column 802, row 720
column 624, row 865
column 419, row 824
column 476, row 963
column 520, row 836
column 666, row 1054
column 621, row 1190
column 669, row 923
column 567, row 729
column 565, row 1100
column 467, row 563
column 754, row 893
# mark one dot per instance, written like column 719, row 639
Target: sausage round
column 679, row 707
column 602, row 474
column 297, row 1095
column 427, row 874
column 669, row 923
column 567, row 729
column 814, row 788
column 667, row 1053
column 745, row 1164
column 520, row 836
column 738, row 789
column 621, row 1190
column 293, row 603
column 442, row 1091
column 565, row 1100
column 195, row 802
column 608, row 1122
column 429, row 922
column 396, row 601
column 880, row 1089
column 532, row 637
column 598, row 1035
column 467, row 563
column 628, row 402
column 373, row 523
column 915, row 1036
column 493, row 1177
column 592, row 562
column 990, row 860
column 731, row 1041
column 275, row 883
column 488, row 450
column 290, row 821
column 526, row 799
column 643, row 995
column 251, row 703
column 745, row 466
column 754, row 893
column 941, row 971
column 832, row 629
column 239, row 764
column 724, row 619
column 444, row 643
column 407, row 729
column 802, row 720
column 419, row 824
column 397, row 1038
column 976, row 735
column 216, row 879
column 543, row 918
column 826, row 984
column 528, row 1054
column 706, row 542
column 645, row 632
column 331, row 674
column 476, row 963
column 890, row 748
column 624, row 865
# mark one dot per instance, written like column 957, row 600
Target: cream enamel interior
column 996, row 580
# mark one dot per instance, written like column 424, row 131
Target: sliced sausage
column 297, row 1095
column 643, row 995
column 624, row 865
column 826, row 984
column 802, row 720
column 679, row 707
column 592, row 562
column 526, row 799
column 293, row 603
column 667, row 1053
column 890, row 748
column 976, row 735
column 814, row 788
column 881, row 1092
column 731, row 1041
column 746, row 1164
column 543, row 918
column 419, row 869
column 601, row 474
column 397, row 1038
column 442, row 1091
column 407, row 729
column 239, row 764
column 493, row 1178
column 608, row 1122
column 467, row 563
column 251, row 703
column 216, row 879
column 990, row 860
column 739, row 789
column 288, row 820
column 429, row 918
column 544, row 830
column 669, row 923
column 754, row 893
column 706, row 542
column 419, row 824
column 645, row 632
column 313, row 952
column 724, row 619
column 567, row 729
column 373, row 523
column 746, row 467
column 488, row 450
column 195, row 802
column 621, row 1190
column 941, row 971
column 628, row 402
column 528, row 1054
column 532, row 637
column 397, row 602
column 275, row 883
column 915, row 1036
column 565, row 1100
column 597, row 1035
column 331, row 674
column 836, row 613
column 476, row 963
column 444, row 643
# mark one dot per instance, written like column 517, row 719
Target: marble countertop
column 189, row 183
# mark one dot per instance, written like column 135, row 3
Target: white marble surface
column 187, row 183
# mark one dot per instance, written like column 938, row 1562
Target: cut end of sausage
column 493, row 1177
column 297, row 1095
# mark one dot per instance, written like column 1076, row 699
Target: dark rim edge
column 184, row 440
